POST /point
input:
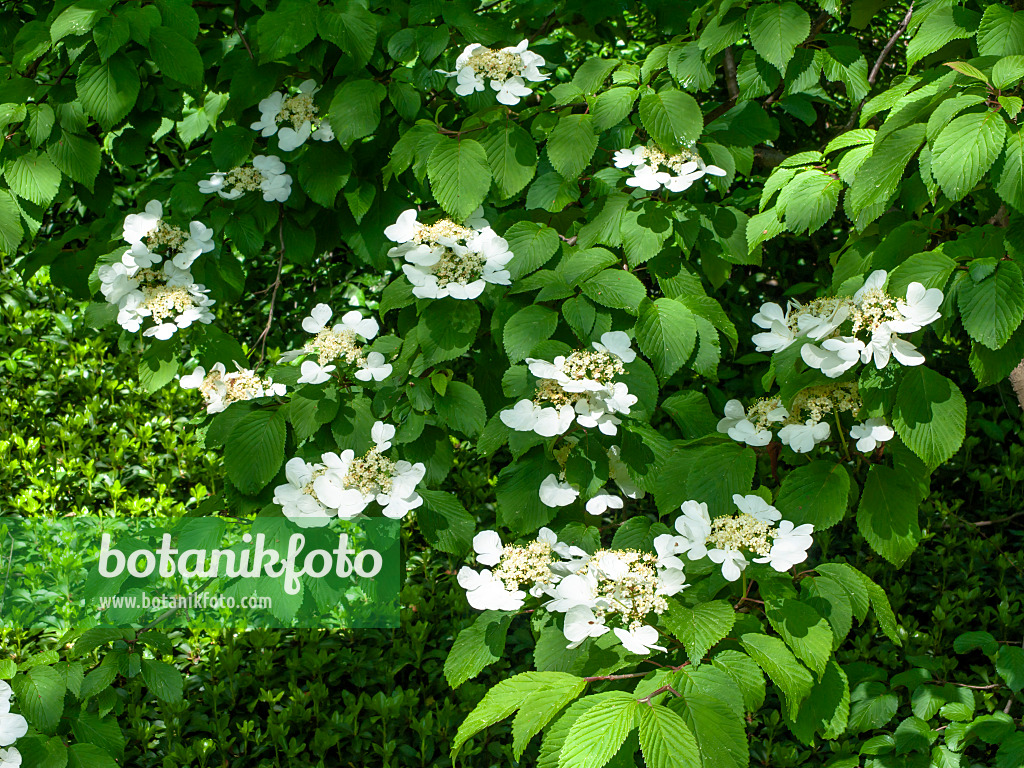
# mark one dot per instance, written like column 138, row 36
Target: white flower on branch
column 294, row 119
column 506, row 70
column 871, row 434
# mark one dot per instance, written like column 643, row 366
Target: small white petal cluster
column 446, row 259
column 12, row 727
column 341, row 343
column 579, row 388
column 758, row 529
column 298, row 112
column 681, row 169
column 506, row 70
column 153, row 280
column 803, row 425
column 266, row 174
column 872, row 313
column 871, row 434
column 621, row 586
column 346, row 485
column 220, row 388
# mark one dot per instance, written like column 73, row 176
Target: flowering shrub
column 535, row 286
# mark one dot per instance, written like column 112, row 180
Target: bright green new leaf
column 459, row 175
column 666, row 332
column 571, row 145
column 965, row 150
column 992, row 308
column 776, row 29
column 672, row 118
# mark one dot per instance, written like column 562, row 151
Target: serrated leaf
column 108, row 90
column 355, row 110
column 286, row 30
column 526, row 329
column 804, row 630
column 77, row 156
column 815, row 493
column 772, row 655
column 40, row 694
column 887, row 514
column 571, row 145
column 255, row 451
column 965, row 150
column 33, row 177
column 612, row 106
column 533, row 245
column 459, row 175
column 992, row 309
column 479, row 644
column 177, row 57
column 930, row 415
column 512, row 155
column 538, row 710
column 666, row 332
column 671, row 117
column 599, row 732
column 163, row 680
column 776, row 29
column 666, row 740
column 700, row 627
column 1001, row 32
column 615, row 288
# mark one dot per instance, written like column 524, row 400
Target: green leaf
column 666, row 332
column 1001, row 32
column 540, row 707
column 965, row 150
column 552, row 192
column 286, row 30
column 111, row 33
column 1008, row 71
column 459, row 175
column 159, row 364
column 932, row 269
column 887, row 514
column 478, row 645
column 643, row 232
column 772, row 655
column 1010, row 666
column 255, row 450
column 355, row 110
column 776, row 29
column 77, row 19
column 89, row 756
column 827, row 709
column 617, row 289
column 76, row 156
column 324, row 169
column 803, row 629
column 533, row 245
column 461, row 408
column 700, row 627
column 504, row 699
column 943, row 25
column 512, row 155
column 930, row 415
column 746, row 674
column 571, row 145
column 108, row 90
column 163, row 680
column 611, row 107
column 351, row 27
column 33, row 177
column 992, row 308
column 811, row 200
column 666, row 740
column 1010, row 186
column 526, row 329
column 177, row 57
column 718, row 728
column 40, row 695
column 445, row 522
column 598, row 733
column 592, row 73
column 877, row 179
column 519, row 504
column 815, row 493
column 671, row 117
column 447, row 329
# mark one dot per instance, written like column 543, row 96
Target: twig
column 596, row 678
column 873, row 76
column 234, row 22
column 262, row 340
column 731, row 82
column 900, row 29
column 664, row 689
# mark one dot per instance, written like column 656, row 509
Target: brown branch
column 262, row 340
column 234, row 22
column 596, row 678
column 873, row 76
column 731, row 82
column 664, row 689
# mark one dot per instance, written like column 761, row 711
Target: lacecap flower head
column 506, row 71
column 339, row 344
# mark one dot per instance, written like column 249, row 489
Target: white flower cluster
column 343, row 342
column 580, row 387
column 220, row 388
column 871, row 310
column 169, row 296
column 683, row 168
column 266, row 174
column 803, row 424
column 12, row 728
column 727, row 540
column 611, row 585
column 298, row 112
column 507, row 70
column 346, row 485
column 446, row 259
